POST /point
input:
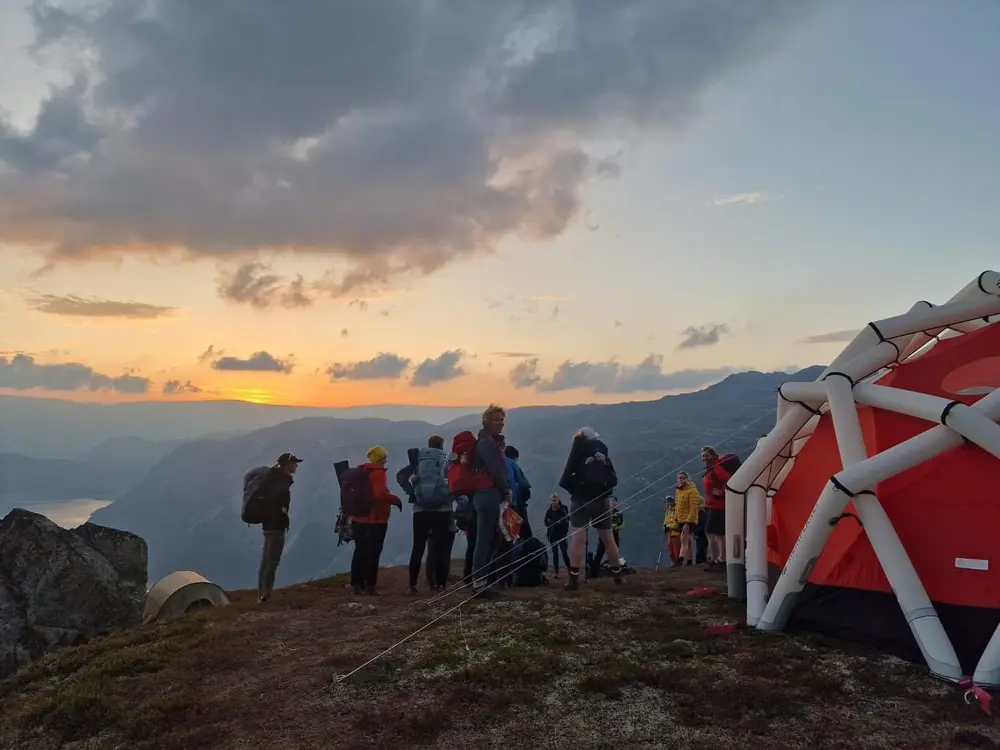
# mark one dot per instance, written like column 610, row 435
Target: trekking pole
column 658, row 558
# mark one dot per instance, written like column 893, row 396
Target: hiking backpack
column 403, row 480
column 532, row 562
column 253, row 499
column 596, row 478
column 465, row 474
column 465, row 514
column 431, row 488
column 355, row 492
column 730, row 462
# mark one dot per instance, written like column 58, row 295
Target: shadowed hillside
column 627, row 666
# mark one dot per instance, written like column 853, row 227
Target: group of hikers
column 694, row 528
column 480, row 489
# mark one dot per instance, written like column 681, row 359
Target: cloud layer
column 614, row 377
column 706, row 335
column 74, row 306
column 393, row 135
column 832, row 337
column 21, row 373
column 256, row 362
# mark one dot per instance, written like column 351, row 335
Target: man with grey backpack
column 432, row 514
column 266, row 500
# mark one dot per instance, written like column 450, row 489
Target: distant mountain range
column 187, row 504
column 53, row 428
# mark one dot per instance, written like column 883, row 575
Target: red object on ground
column 727, row 629
column 705, row 591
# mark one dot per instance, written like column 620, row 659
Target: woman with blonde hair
column 687, row 504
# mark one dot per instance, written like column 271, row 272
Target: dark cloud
column 383, row 366
column 830, row 338
column 176, row 387
column 525, row 374
column 706, row 335
column 614, row 377
column 254, row 284
column 211, row 353
column 74, row 306
column 395, row 134
column 444, row 367
column 257, row 362
column 21, row 372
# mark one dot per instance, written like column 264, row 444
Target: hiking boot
column 677, row 563
column 411, row 589
column 372, row 591
column 357, row 590
column 557, row 573
column 573, row 583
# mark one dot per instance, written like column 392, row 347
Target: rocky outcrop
column 60, row 587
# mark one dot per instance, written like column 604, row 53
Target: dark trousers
column 599, row 555
column 470, row 548
column 368, row 541
column 559, row 545
column 700, row 540
column 430, row 530
column 270, row 558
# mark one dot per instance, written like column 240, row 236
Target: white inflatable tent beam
column 840, row 388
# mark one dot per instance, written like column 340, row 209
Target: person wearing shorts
column 585, row 509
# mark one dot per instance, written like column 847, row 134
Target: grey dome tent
column 179, row 593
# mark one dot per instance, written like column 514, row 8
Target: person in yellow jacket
column 688, row 503
column 671, row 531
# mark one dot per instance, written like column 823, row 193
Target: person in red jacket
column 716, row 476
column 369, row 530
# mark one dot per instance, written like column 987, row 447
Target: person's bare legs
column 577, row 547
column 717, row 548
column 685, row 545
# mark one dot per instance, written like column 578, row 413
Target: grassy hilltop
column 610, row 667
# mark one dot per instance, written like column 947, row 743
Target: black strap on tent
column 837, row 519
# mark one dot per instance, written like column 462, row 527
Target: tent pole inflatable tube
column 987, row 672
column 736, row 572
column 833, row 500
column 757, row 462
column 968, row 422
column 811, row 393
column 920, row 614
column 937, row 317
column 756, row 556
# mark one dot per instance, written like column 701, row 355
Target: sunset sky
column 449, row 203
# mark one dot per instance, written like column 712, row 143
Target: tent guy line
column 628, row 502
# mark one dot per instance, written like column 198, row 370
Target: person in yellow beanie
column 369, row 530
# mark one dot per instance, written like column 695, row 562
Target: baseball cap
column 288, row 458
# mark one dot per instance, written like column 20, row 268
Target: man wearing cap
column 276, row 493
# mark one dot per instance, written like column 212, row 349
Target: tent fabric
column 943, row 510
column 179, row 593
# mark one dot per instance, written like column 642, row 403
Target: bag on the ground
column 355, row 492
column 597, row 478
column 532, row 562
column 431, row 488
column 253, row 499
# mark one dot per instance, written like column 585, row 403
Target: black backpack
column 253, row 498
column 596, row 479
column 355, row 492
column 532, row 563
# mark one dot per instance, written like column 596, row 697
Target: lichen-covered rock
column 60, row 587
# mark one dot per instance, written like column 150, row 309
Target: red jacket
column 716, row 477
column 382, row 499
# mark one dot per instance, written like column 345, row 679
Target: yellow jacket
column 688, row 503
column 670, row 522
